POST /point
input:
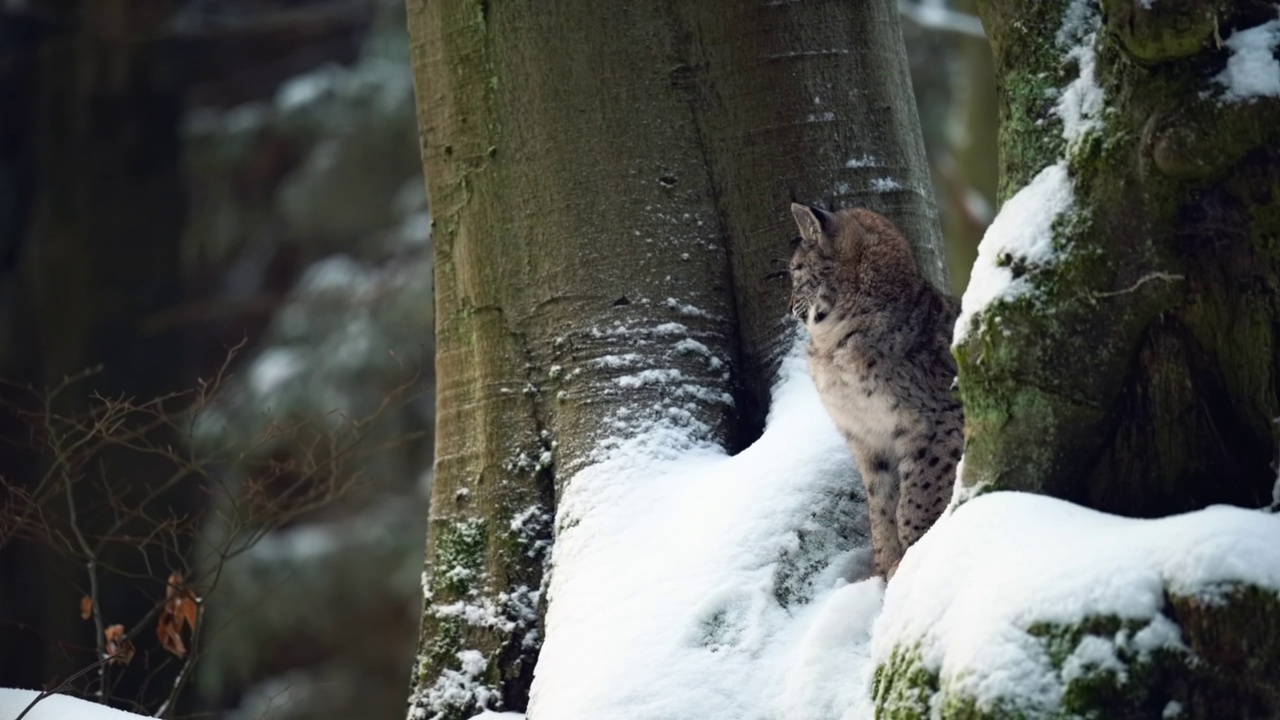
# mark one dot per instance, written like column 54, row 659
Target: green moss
column 1164, row 31
column 445, row 642
column 1032, row 73
column 903, row 688
column 460, row 556
column 1017, row 407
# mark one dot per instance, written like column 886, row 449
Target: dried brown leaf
column 180, row 611
column 170, row 636
column 86, row 607
column 119, row 648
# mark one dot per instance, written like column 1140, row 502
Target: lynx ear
column 813, row 223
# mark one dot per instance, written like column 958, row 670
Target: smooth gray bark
column 606, row 181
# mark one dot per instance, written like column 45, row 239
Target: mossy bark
column 1139, row 374
column 1226, row 664
column 607, row 182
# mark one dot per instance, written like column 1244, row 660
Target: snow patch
column 617, row 362
column 659, row 376
column 885, row 184
column 686, row 309
column 1020, row 236
column 830, row 676
column 861, row 162
column 456, row 688
column 57, row 707
column 1252, row 70
column 1081, row 103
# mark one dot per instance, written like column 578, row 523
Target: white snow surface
column 57, row 707
column 1003, row 561
column 1022, row 232
column 1252, row 69
column 1081, row 103
column 667, row 571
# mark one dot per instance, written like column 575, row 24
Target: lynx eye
column 819, row 316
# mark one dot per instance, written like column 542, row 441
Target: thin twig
column 1167, row 277
column 65, row 684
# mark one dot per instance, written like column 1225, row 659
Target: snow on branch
column 1252, row 70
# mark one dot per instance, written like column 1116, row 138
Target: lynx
column 879, row 353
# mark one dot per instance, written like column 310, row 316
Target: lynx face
column 813, row 282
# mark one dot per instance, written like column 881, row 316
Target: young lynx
column 879, row 352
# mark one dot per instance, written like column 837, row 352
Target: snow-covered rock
column 1019, row 605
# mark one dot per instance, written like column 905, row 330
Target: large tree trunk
column 1132, row 368
column 609, row 186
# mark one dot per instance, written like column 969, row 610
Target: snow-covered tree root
column 1024, row 607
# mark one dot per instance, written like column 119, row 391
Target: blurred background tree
column 180, row 175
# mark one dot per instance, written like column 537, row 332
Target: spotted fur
column 879, row 353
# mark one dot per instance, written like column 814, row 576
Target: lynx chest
column 858, row 399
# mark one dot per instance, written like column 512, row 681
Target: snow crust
column 1020, row 236
column 57, row 707
column 688, row 583
column 971, row 587
column 1252, row 69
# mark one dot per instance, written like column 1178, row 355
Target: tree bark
column 1137, row 373
column 609, row 186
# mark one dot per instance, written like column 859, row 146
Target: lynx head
column 814, row 264
column 842, row 254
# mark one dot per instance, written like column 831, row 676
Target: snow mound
column 694, row 584
column 1022, row 235
column 1252, row 69
column 966, row 594
column 57, row 707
